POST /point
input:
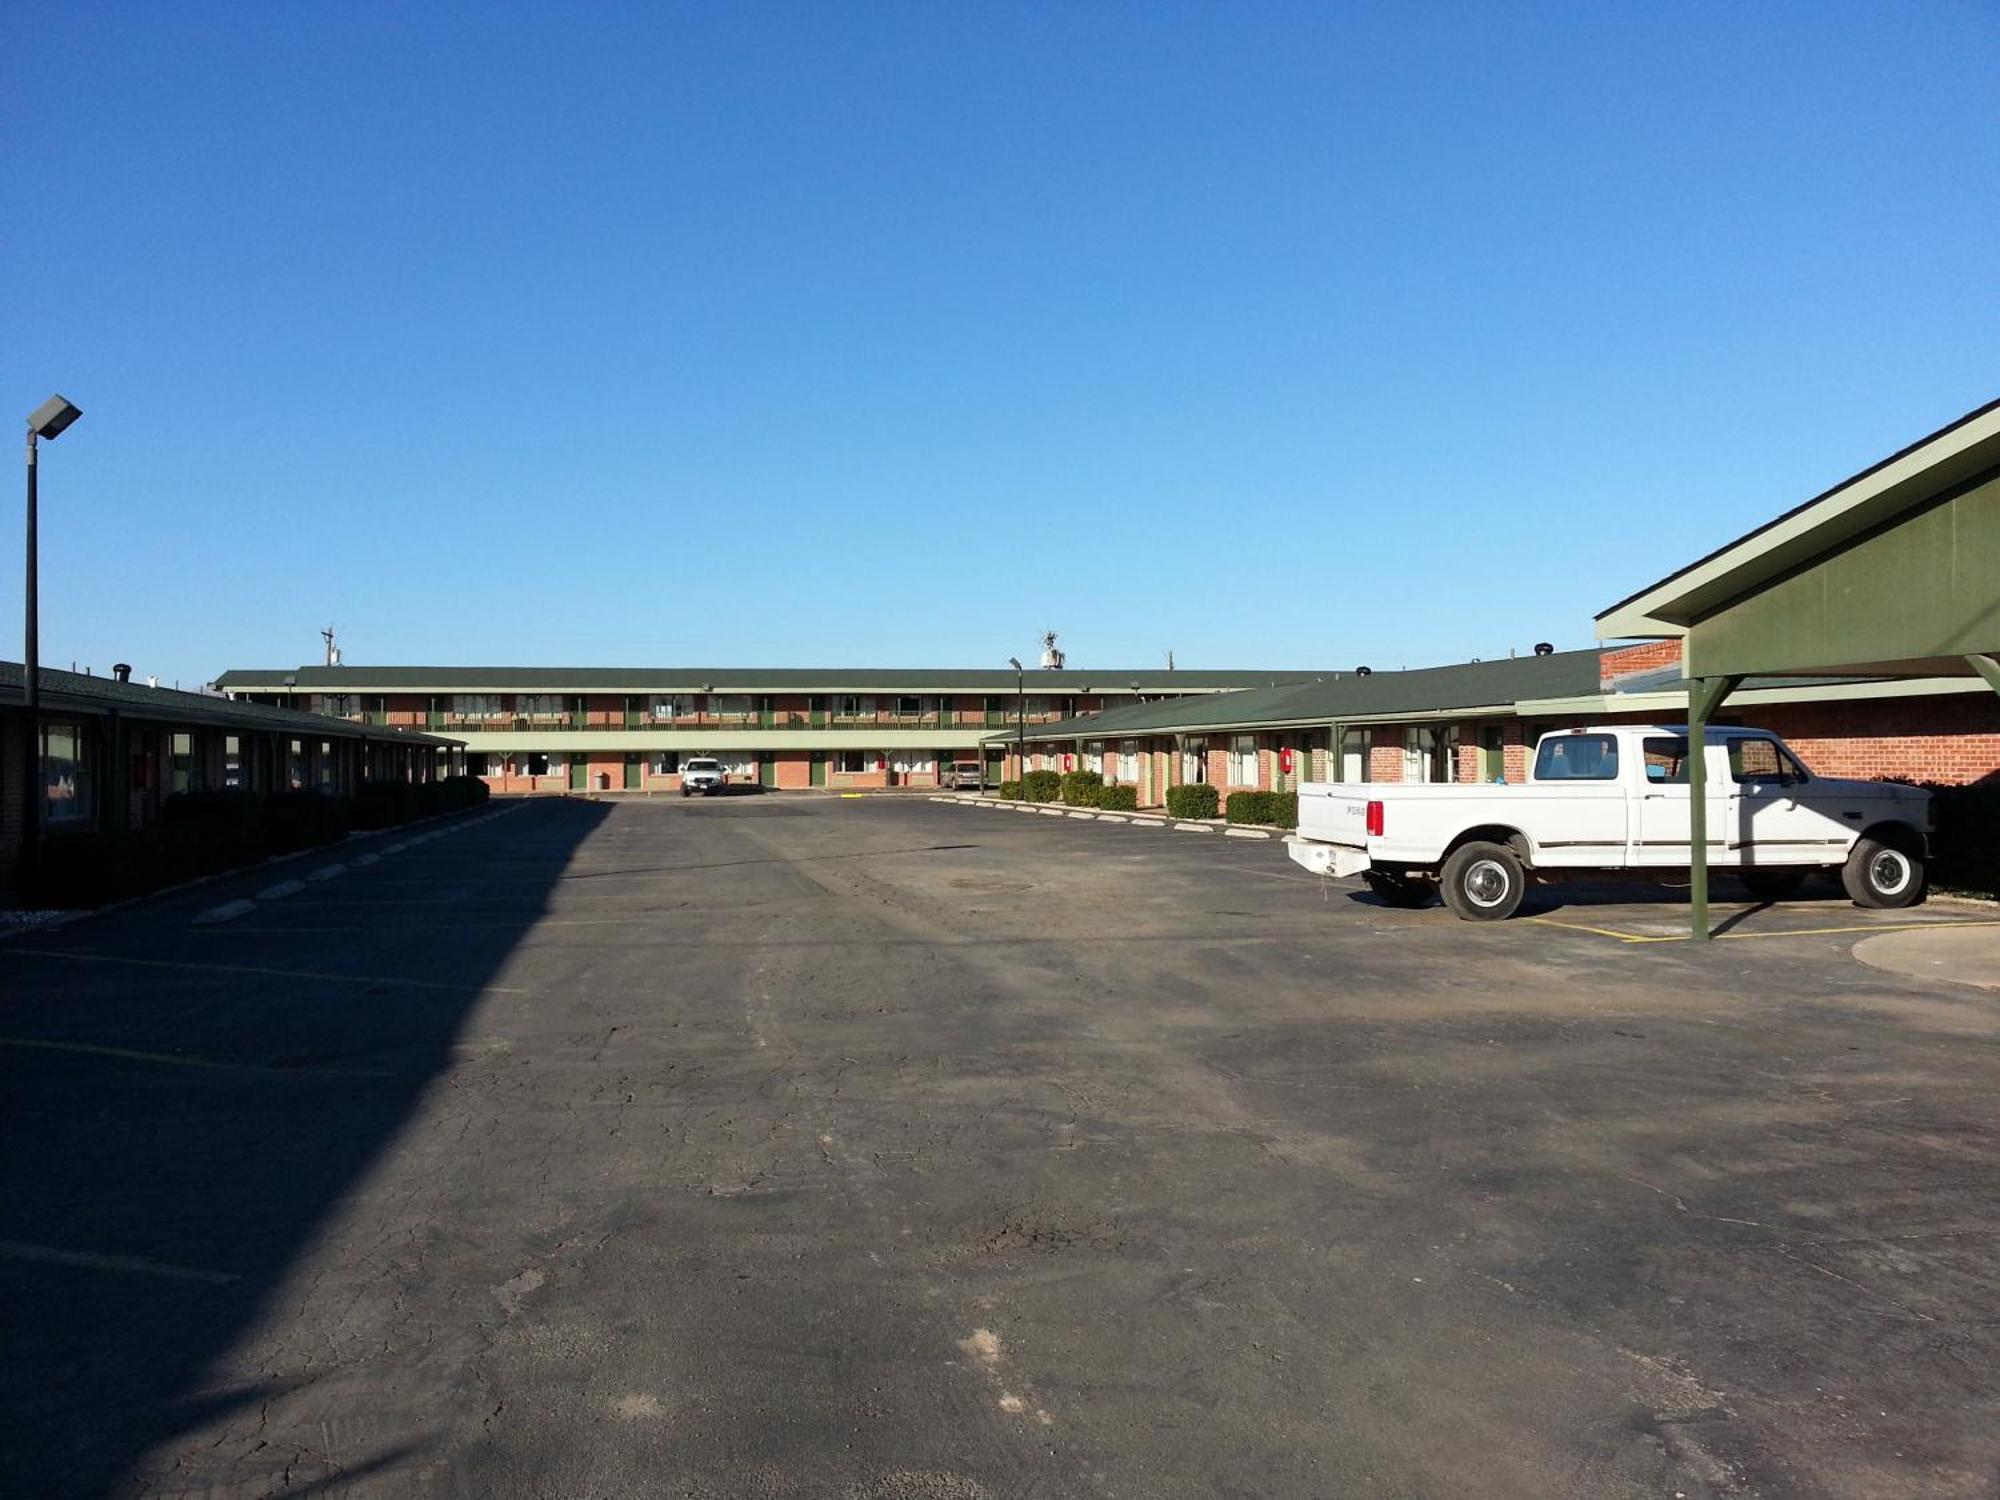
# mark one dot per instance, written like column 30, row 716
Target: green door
column 819, row 768
column 631, row 772
column 579, row 774
column 767, row 770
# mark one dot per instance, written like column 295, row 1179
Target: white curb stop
column 327, row 872
column 281, row 890
column 363, row 860
column 229, row 911
column 1192, row 828
column 1245, row 833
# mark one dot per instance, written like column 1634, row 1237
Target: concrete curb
column 1244, row 833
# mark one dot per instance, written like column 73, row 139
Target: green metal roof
column 1345, row 695
column 75, row 692
column 359, row 679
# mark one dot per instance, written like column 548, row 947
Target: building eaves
column 1463, row 686
column 76, row 692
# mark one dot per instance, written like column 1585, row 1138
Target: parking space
column 794, row 1146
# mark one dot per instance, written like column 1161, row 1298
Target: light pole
column 1020, row 721
column 49, row 420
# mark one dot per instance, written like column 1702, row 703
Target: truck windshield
column 1577, row 757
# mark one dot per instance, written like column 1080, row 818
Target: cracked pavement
column 799, row 1146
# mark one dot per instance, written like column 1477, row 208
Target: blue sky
column 1282, row 336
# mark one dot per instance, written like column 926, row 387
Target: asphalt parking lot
column 801, row 1146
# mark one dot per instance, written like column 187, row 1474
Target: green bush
column 1118, row 798
column 1965, row 850
column 305, row 820
column 1041, row 786
column 1011, row 790
column 1194, row 801
column 1080, row 788
column 1267, row 809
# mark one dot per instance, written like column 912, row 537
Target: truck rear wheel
column 1483, row 882
column 1882, row 874
column 1398, row 889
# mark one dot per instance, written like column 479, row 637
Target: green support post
column 1987, row 667
column 1705, row 695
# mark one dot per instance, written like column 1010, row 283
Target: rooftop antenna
column 1170, row 658
column 1052, row 654
column 332, row 651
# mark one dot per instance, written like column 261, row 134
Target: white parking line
column 229, row 911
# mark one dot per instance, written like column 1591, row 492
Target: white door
column 1772, row 819
column 1663, row 833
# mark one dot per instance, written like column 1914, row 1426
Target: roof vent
column 122, row 671
column 1363, row 671
column 1543, row 648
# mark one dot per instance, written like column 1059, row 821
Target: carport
column 1893, row 573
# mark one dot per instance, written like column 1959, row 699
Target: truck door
column 1661, row 833
column 1773, row 818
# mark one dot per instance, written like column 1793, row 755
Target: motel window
column 669, row 708
column 325, row 766
column 738, row 765
column 1354, row 756
column 180, row 762
column 1194, row 762
column 295, row 765
column 732, row 705
column 1243, row 760
column 909, row 708
column 66, row 782
column 854, row 762
column 1430, row 753
column 666, row 762
column 478, row 763
column 852, row 707
column 539, row 706
column 1577, row 757
column 476, row 705
column 1092, row 758
column 232, row 760
column 1128, row 762
column 909, row 762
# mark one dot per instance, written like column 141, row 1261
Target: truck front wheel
column 1881, row 874
column 1483, row 882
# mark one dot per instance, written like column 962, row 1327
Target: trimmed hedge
column 1194, row 801
column 1268, row 809
column 1080, row 788
column 205, row 833
column 1041, row 786
column 1118, row 798
column 1965, row 850
column 1011, row 790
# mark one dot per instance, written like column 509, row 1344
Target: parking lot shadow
column 182, row 1113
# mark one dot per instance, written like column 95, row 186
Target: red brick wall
column 1627, row 661
column 794, row 769
column 1385, row 754
column 1951, row 740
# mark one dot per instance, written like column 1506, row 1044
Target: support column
column 1705, row 695
column 1987, row 667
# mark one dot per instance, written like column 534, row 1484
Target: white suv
column 703, row 774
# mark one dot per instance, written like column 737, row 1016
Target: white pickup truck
column 1617, row 798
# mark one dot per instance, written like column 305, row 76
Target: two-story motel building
column 536, row 729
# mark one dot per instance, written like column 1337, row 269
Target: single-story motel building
column 113, row 751
column 572, row 729
column 1478, row 721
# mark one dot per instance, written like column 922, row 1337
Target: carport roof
column 76, row 692
column 1956, row 453
column 1346, row 695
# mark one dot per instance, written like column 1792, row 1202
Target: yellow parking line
column 1858, row 927
column 1723, row 937
column 1608, row 932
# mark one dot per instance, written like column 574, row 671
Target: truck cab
column 1617, row 797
